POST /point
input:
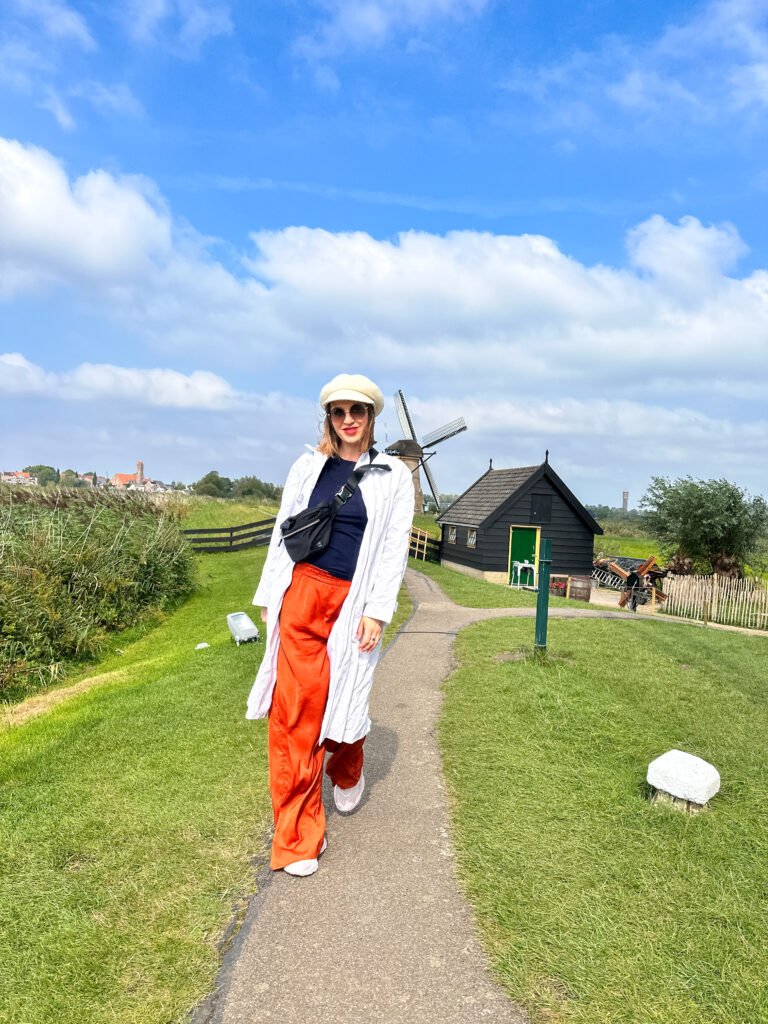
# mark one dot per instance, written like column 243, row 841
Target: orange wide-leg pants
column 311, row 606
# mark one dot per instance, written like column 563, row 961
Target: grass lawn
column 471, row 592
column 130, row 818
column 206, row 513
column 596, row 906
column 628, row 547
column 426, row 521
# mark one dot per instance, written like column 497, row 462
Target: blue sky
column 548, row 217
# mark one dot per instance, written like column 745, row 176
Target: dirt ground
column 610, row 599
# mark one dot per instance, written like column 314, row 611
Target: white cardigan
column 373, row 591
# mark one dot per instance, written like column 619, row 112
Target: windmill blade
column 404, row 416
column 443, row 433
column 432, row 483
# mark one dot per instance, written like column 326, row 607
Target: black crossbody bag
column 309, row 532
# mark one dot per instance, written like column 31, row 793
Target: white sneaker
column 346, row 800
column 302, row 868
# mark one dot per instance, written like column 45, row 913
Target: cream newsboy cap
column 352, row 387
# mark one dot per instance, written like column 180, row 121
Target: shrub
column 75, row 566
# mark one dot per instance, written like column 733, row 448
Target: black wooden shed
column 494, row 529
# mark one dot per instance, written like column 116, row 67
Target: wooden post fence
column 214, row 540
column 730, row 602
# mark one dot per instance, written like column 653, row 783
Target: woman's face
column 350, row 421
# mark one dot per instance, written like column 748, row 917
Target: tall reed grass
column 74, row 567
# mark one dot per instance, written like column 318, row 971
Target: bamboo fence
column 718, row 599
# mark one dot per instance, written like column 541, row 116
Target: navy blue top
column 340, row 557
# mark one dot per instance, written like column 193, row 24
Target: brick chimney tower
column 139, row 472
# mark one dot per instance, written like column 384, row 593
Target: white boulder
column 684, row 776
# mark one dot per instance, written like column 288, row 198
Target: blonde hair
column 329, row 442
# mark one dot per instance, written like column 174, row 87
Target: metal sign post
column 542, row 600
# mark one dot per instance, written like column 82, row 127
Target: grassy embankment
column 76, row 568
column 596, row 906
column 131, row 816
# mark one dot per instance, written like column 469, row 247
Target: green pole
column 542, row 600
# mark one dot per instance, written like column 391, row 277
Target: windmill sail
column 443, row 433
column 432, row 484
column 412, row 452
column 404, row 416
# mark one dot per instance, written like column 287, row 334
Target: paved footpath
column 381, row 933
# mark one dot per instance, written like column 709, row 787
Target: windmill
column 415, row 454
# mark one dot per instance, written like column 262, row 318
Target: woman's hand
column 263, row 614
column 369, row 633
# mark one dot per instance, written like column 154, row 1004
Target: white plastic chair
column 526, row 567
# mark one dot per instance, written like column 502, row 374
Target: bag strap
column 346, row 490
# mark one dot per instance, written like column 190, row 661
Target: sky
column 550, row 218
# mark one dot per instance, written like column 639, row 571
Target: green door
column 523, row 547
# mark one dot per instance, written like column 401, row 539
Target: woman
column 324, row 621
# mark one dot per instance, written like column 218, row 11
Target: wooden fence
column 230, row 538
column 252, row 535
column 718, row 599
column 424, row 547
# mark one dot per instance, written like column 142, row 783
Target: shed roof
column 484, row 496
column 498, row 487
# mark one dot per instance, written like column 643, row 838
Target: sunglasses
column 358, row 411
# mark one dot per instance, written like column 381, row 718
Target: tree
column 213, row 485
column 253, row 487
column 71, row 478
column 45, row 474
column 713, row 521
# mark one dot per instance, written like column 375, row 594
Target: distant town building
column 18, row 476
column 123, row 481
column 138, row 482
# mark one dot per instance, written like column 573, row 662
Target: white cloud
column 749, row 85
column 361, row 24
column 20, row 64
column 655, row 361
column 110, row 99
column 20, row 377
column 58, row 20
column 460, row 303
column 623, row 420
column 690, row 256
column 710, row 66
column 53, row 103
column 184, row 26
column 645, row 91
column 161, row 388
column 98, row 229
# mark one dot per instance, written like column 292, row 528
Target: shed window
column 451, row 534
column 541, row 508
column 471, row 538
